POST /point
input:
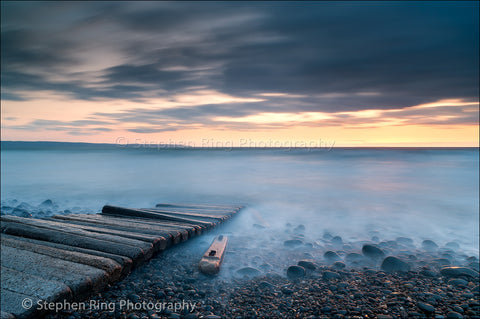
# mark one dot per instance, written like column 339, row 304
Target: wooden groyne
column 68, row 257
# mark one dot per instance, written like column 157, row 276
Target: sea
column 356, row 193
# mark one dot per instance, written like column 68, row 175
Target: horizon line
column 187, row 147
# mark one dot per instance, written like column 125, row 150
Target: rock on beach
column 394, row 264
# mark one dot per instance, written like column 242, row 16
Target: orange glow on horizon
column 371, row 127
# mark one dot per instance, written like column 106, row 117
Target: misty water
column 353, row 193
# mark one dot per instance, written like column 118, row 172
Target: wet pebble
column 295, row 272
column 429, row 245
column 394, row 264
column 307, row 264
column 452, row 245
column 47, row 203
column 451, row 272
column 373, row 252
column 338, row 265
column 291, row 243
column 299, row 229
column 265, row 267
column 328, row 275
column 331, row 256
column 458, row 282
column 248, row 271
column 337, row 241
column 426, row 307
column 266, row 285
column 454, row 315
column 428, row 273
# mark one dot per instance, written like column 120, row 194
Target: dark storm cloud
column 327, row 53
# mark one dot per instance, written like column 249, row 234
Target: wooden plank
column 225, row 214
column 175, row 234
column 16, row 286
column 11, row 303
column 158, row 242
column 189, row 228
column 123, row 221
column 81, row 279
column 213, row 257
column 146, row 248
column 123, row 261
column 201, row 206
column 113, row 210
column 112, row 268
column 136, row 254
column 196, row 215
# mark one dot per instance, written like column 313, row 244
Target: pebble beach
column 284, row 273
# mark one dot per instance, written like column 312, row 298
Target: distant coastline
column 32, row 145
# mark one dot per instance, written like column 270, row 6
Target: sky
column 209, row 74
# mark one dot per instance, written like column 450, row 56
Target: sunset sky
column 202, row 74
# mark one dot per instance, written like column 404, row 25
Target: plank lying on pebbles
column 173, row 234
column 113, row 210
column 123, row 261
column 16, row 286
column 136, row 254
column 145, row 247
column 112, row 268
column 213, row 257
column 81, row 279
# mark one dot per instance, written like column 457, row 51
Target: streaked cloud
column 156, row 67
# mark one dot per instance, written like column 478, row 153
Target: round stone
column 394, row 264
column 307, row 264
column 299, row 229
column 292, row 243
column 454, row 315
column 337, row 241
column 331, row 256
column 249, row 271
column 429, row 245
column 328, row 275
column 452, row 272
column 338, row 265
column 373, row 252
column 295, row 272
column 452, row 245
column 426, row 307
column 458, row 282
